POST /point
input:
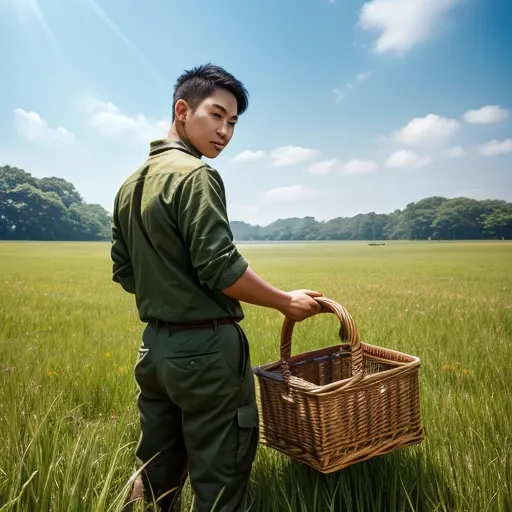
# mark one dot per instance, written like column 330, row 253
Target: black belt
column 197, row 324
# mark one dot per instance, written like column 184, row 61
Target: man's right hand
column 301, row 305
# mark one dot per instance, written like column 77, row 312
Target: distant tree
column 47, row 209
column 458, row 219
column 64, row 189
column 52, row 209
column 497, row 223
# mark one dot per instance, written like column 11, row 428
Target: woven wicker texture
column 332, row 407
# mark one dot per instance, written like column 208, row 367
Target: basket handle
column 348, row 333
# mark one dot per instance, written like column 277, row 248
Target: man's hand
column 301, row 305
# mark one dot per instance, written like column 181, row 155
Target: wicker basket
column 333, row 407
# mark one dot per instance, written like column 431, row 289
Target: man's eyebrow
column 216, row 105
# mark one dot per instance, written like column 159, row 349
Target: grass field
column 69, row 339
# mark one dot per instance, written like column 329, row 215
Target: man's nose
column 222, row 129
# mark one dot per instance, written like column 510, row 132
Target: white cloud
column 32, row 127
column 426, row 130
column 108, row 119
column 405, row 158
column 292, row 193
column 364, row 76
column 404, row 23
column 495, row 147
column 290, row 155
column 249, row 156
column 360, row 167
column 455, row 152
column 324, row 167
column 486, row 115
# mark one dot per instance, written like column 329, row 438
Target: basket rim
column 311, row 389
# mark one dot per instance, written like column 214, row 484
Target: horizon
column 398, row 109
column 323, row 221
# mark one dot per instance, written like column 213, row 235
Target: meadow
column 69, row 338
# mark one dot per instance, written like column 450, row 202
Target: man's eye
column 216, row 116
column 232, row 123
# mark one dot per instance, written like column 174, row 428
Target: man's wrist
column 283, row 300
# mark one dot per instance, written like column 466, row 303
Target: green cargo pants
column 198, row 412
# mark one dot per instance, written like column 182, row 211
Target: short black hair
column 196, row 84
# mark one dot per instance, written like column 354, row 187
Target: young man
column 172, row 247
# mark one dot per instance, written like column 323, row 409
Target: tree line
column 47, row 209
column 52, row 209
column 435, row 218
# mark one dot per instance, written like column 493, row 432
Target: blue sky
column 354, row 106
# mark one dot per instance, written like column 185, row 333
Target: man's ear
column 181, row 110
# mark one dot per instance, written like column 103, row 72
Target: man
column 172, row 247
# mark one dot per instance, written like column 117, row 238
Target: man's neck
column 177, row 133
column 174, row 133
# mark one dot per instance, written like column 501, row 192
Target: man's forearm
column 253, row 289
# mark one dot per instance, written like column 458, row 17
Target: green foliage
column 52, row 209
column 47, row 209
column 437, row 218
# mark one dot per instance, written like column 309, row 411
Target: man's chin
column 211, row 154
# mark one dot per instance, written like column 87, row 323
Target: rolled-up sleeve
column 201, row 216
column 122, row 269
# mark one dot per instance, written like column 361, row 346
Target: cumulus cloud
column 291, row 155
column 292, row 193
column 403, row 24
column 324, row 167
column 427, row 130
column 495, row 147
column 360, row 167
column 486, row 115
column 249, row 156
column 110, row 121
column 32, row 127
column 407, row 159
column 455, row 152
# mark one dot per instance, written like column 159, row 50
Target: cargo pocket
column 247, row 417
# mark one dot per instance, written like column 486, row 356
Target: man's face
column 210, row 127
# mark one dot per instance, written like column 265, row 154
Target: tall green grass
column 69, row 339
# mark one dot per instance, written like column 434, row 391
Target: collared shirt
column 172, row 245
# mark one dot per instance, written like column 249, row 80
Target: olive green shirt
column 172, row 245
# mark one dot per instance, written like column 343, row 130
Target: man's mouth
column 218, row 145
